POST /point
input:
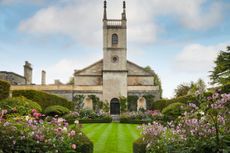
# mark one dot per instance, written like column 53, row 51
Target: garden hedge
column 44, row 99
column 105, row 120
column 131, row 121
column 139, row 146
column 56, row 110
column 4, row 89
column 161, row 104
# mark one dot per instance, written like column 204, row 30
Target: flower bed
column 140, row 117
column 204, row 129
column 32, row 134
column 88, row 116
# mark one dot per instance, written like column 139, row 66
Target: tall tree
column 182, row 90
column 157, row 80
column 221, row 73
column 192, row 88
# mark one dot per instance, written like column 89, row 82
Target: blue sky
column 179, row 39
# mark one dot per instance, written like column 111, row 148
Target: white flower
column 76, row 122
column 64, row 130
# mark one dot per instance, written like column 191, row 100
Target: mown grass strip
column 112, row 137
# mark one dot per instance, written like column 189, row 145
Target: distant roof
column 5, row 72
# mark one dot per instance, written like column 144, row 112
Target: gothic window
column 114, row 39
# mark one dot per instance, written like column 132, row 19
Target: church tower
column 114, row 56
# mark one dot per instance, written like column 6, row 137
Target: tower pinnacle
column 105, row 12
column 124, row 11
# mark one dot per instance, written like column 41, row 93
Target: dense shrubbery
column 88, row 116
column 205, row 128
column 139, row 146
column 4, row 89
column 27, row 134
column 132, row 103
column 44, row 99
column 161, row 104
column 56, row 110
column 19, row 105
column 140, row 117
column 173, row 110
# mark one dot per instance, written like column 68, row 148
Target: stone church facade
column 109, row 79
column 114, row 73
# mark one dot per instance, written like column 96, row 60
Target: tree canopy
column 221, row 73
column 191, row 88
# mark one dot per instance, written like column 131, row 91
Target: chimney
column 28, row 73
column 43, row 80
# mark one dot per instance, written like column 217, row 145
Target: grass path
column 112, row 138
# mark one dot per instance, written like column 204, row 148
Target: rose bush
column 33, row 134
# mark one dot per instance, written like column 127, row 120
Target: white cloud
column 197, row 58
column 7, row 2
column 81, row 19
column 64, row 68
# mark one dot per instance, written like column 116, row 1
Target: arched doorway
column 114, row 106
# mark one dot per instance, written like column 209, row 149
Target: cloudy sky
column 179, row 39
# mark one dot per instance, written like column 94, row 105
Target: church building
column 117, row 76
column 109, row 79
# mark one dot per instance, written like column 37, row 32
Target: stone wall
column 88, row 80
column 140, row 80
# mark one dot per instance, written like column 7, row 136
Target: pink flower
column 72, row 133
column 74, row 146
column 37, row 115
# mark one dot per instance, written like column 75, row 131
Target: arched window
column 114, row 39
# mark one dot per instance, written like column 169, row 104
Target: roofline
column 13, row 74
column 79, row 71
column 150, row 73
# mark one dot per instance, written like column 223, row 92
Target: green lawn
column 113, row 137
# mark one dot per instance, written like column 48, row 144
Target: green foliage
column 19, row 105
column 71, row 81
column 97, row 104
column 44, row 99
column 123, row 104
column 89, row 116
column 191, row 88
column 71, row 117
column 182, row 90
column 106, row 119
column 221, row 73
column 161, row 104
column 106, row 106
column 78, row 102
column 149, row 100
column 132, row 103
column 225, row 88
column 56, row 110
column 173, row 110
column 139, row 146
column 4, row 89
column 157, row 80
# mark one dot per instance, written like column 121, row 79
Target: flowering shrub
column 204, row 129
column 19, row 105
column 140, row 117
column 29, row 134
column 88, row 116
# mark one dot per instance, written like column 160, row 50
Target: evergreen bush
column 56, row 110
column 44, row 99
column 4, row 89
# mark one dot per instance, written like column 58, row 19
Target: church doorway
column 114, row 107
